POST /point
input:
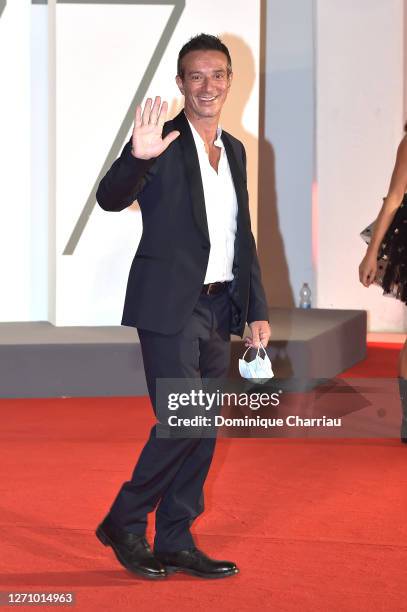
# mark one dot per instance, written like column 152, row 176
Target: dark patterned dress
column 392, row 255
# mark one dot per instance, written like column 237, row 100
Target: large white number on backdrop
column 102, row 51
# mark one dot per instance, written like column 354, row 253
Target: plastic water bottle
column 305, row 296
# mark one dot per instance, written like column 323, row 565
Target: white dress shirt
column 221, row 209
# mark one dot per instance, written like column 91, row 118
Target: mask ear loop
column 246, row 351
column 266, row 357
column 258, row 351
column 261, row 347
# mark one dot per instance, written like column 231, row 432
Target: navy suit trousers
column 170, row 473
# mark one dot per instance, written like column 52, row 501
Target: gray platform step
column 40, row 360
column 314, row 343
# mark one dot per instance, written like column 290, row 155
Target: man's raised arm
column 124, row 181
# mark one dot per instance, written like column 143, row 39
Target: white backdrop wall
column 359, row 85
column 290, row 131
column 69, row 73
column 38, row 270
column 360, row 120
column 15, row 158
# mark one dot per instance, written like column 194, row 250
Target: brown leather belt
column 214, row 288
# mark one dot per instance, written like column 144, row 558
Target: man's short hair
column 203, row 42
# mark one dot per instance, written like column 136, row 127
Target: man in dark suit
column 194, row 280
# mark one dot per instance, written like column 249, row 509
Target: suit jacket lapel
column 187, row 143
column 238, row 175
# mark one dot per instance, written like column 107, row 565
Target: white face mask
column 259, row 370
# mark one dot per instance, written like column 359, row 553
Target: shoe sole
column 106, row 541
column 171, row 569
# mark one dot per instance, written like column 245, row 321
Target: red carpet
column 381, row 361
column 314, row 525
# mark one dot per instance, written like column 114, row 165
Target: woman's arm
column 397, row 189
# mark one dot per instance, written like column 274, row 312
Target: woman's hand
column 368, row 269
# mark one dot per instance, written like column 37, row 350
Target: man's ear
column 180, row 84
column 230, row 79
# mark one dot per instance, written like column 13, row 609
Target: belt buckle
column 209, row 288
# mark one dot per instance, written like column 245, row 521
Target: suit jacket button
column 205, row 247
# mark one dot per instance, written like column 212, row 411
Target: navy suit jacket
column 169, row 267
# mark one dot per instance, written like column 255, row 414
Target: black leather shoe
column 195, row 562
column 132, row 550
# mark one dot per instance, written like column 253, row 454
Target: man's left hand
column 260, row 332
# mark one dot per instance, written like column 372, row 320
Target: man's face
column 205, row 83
